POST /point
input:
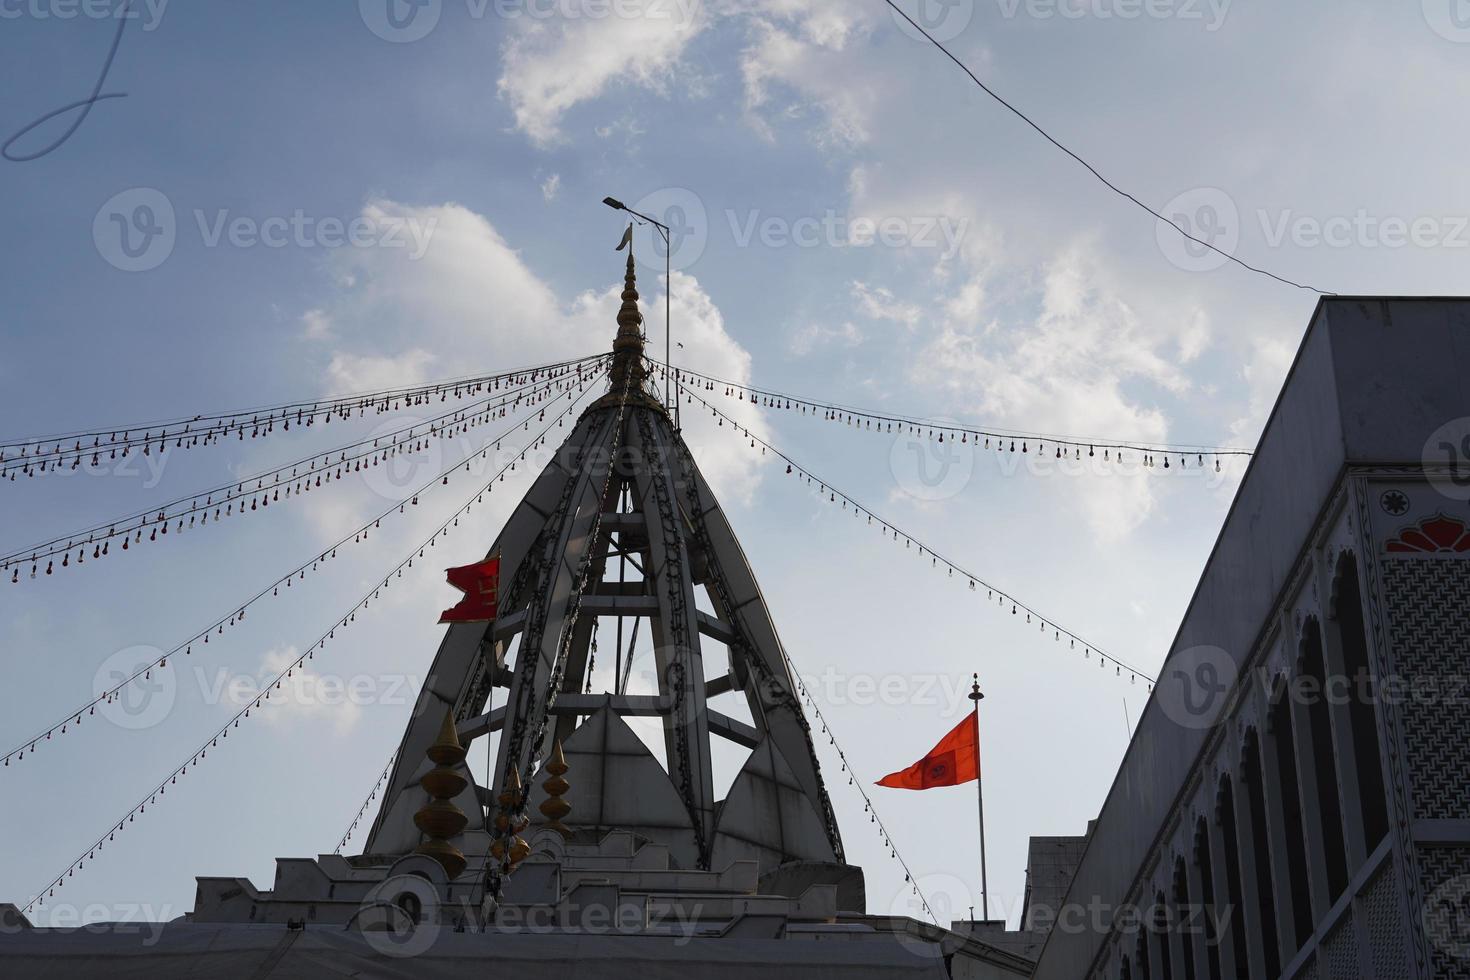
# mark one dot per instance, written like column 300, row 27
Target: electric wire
column 1090, row 168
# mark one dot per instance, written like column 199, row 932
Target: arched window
column 1206, row 898
column 1367, row 756
column 1184, row 919
column 1225, row 815
column 1282, row 743
column 1260, row 856
column 1160, row 933
column 1329, row 800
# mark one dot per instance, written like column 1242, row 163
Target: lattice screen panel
column 1385, row 926
column 1429, row 625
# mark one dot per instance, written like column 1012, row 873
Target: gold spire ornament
column 628, row 375
column 440, row 819
column 554, row 808
column 508, row 824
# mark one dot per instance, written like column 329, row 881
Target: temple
column 1294, row 802
column 587, row 844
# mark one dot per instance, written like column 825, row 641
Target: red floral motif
column 1435, row 535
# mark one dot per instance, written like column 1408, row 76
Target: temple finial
column 628, row 371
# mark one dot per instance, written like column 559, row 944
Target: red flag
column 481, row 587
column 955, row 760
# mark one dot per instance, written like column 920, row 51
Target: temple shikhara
column 1334, row 834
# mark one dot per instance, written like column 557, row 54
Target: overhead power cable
column 1090, row 168
column 1045, row 623
column 341, row 622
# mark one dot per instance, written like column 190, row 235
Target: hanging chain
column 673, row 572
column 778, row 690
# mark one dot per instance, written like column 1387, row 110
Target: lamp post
column 663, row 229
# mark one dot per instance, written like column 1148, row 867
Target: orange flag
column 955, row 760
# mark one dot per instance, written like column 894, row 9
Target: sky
column 278, row 201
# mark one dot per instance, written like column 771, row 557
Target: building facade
column 1295, row 802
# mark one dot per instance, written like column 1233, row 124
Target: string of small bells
column 298, row 477
column 372, row 795
column 286, row 673
column 1152, row 457
column 38, row 456
column 887, row 529
column 868, row 807
column 74, row 718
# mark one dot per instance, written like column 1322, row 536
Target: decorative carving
column 1439, row 534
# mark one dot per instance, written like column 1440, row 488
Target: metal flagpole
column 977, row 697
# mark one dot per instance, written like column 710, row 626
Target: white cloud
column 316, row 325
column 1263, row 374
column 351, row 372
column 879, row 303
column 815, row 335
column 550, row 186
column 306, row 694
column 809, row 68
column 1069, row 370
column 472, row 305
column 550, row 66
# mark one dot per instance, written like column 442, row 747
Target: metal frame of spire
column 553, row 554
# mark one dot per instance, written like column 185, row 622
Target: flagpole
column 977, row 697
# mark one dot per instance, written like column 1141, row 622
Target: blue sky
column 1010, row 289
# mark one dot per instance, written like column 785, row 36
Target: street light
column 617, row 205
